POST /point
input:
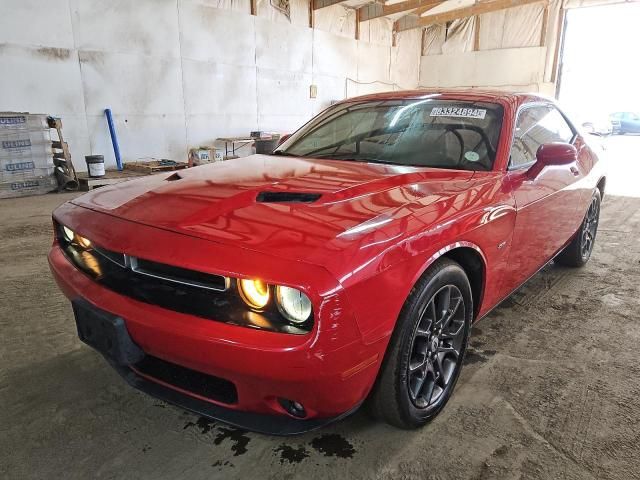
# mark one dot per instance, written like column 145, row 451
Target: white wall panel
column 140, row 136
column 330, row 89
column 131, row 84
column 217, row 88
column 518, row 66
column 37, row 23
column 40, row 80
column 243, row 6
column 405, row 59
column 204, row 129
column 282, row 123
column 373, row 62
column 217, row 35
column 283, row 93
column 287, row 49
column 335, row 56
column 355, row 89
column 151, row 28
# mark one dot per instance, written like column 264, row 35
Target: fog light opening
column 293, row 408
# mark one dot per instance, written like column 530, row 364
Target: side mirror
column 553, row 154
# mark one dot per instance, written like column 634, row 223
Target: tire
column 578, row 252
column 398, row 396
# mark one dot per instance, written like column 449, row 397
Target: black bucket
column 95, row 165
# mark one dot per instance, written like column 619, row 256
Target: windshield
column 411, row 132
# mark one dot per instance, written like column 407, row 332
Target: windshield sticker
column 472, row 156
column 459, row 112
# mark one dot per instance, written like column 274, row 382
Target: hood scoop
column 287, row 197
column 173, row 177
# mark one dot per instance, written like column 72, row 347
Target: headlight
column 73, row 237
column 254, row 292
column 293, row 304
column 68, row 233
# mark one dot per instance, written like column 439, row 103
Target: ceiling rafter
column 378, row 9
column 480, row 7
column 318, row 4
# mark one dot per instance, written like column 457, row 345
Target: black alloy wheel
column 589, row 228
column 436, row 347
column 578, row 252
column 426, row 350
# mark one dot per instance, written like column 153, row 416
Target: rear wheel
column 425, row 354
column 578, row 252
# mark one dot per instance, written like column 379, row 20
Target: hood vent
column 287, row 197
column 173, row 177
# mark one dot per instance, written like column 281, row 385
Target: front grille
column 207, row 386
column 178, row 275
column 205, row 295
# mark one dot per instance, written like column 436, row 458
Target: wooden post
column 559, row 39
column 254, row 7
column 545, row 21
column 476, row 34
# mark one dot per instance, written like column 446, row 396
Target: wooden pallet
column 153, row 167
column 111, row 176
column 62, row 156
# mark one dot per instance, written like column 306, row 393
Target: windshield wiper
column 282, row 153
column 353, row 158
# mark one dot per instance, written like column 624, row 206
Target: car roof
column 480, row 95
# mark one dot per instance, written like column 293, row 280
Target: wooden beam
column 545, row 22
column 318, row 4
column 358, row 24
column 476, row 35
column 557, row 54
column 479, row 8
column 376, row 10
column 254, row 7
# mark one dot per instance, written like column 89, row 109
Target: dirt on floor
column 550, row 389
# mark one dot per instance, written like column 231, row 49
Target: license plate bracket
column 106, row 333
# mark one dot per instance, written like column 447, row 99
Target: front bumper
column 329, row 371
column 107, row 334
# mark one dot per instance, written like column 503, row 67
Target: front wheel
column 425, row 354
column 578, row 252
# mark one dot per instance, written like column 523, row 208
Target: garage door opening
column 598, row 83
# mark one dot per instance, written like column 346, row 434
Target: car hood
column 221, row 202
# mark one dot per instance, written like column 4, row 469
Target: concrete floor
column 550, row 389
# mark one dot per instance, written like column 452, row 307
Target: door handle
column 575, row 171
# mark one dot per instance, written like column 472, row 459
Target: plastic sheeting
column 460, row 36
column 511, row 28
column 405, row 59
column 378, row 31
column 336, row 19
column 457, row 37
column 298, row 11
column 434, row 37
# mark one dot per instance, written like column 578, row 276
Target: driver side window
column 536, row 126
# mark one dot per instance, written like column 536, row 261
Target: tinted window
column 537, row 126
column 413, row 132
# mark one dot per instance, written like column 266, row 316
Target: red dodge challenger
column 279, row 292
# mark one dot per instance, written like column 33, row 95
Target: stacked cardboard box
column 26, row 156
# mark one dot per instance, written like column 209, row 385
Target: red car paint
column 209, row 221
